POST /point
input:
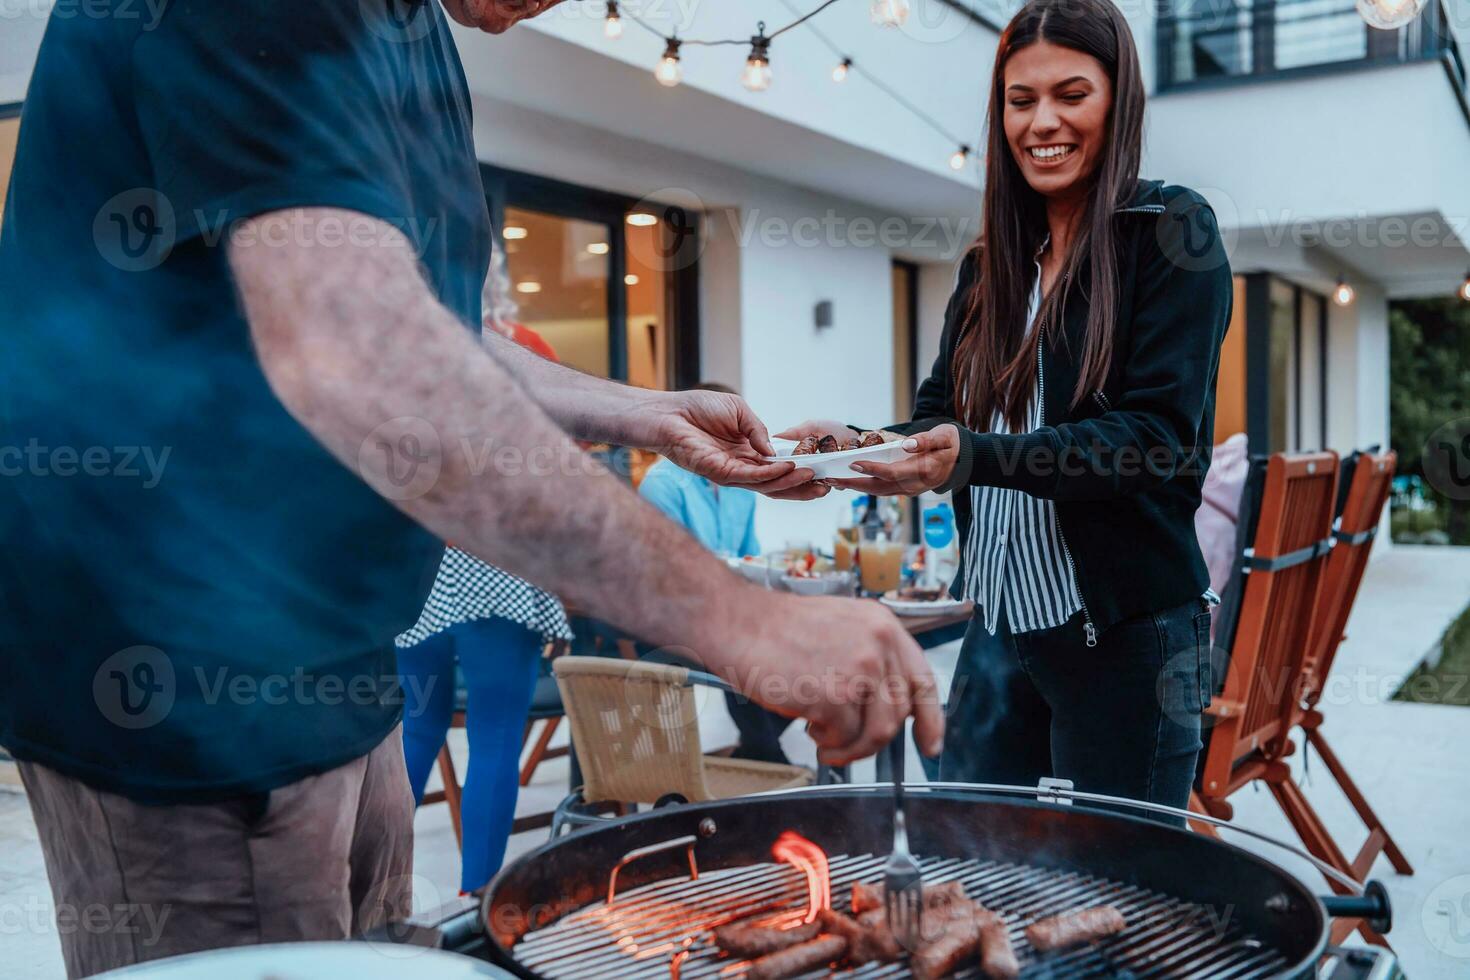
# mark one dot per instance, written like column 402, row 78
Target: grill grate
column 647, row 926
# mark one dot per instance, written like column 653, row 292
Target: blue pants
column 500, row 660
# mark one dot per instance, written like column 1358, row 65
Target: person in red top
column 501, row 309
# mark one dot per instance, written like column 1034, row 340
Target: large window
column 1209, row 41
column 610, row 283
column 1278, row 363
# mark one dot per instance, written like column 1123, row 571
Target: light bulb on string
column 757, row 73
column 1465, row 288
column 1342, row 293
column 839, row 74
column 668, row 72
column 1390, row 15
column 612, row 25
column 891, row 13
column 960, row 157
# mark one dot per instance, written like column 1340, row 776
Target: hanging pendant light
column 668, row 72
column 1343, row 294
column 1390, row 15
column 757, row 73
column 890, row 13
column 612, row 25
column 839, row 74
column 960, row 158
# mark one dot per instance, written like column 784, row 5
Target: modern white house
column 799, row 243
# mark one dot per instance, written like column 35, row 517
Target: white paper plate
column 826, row 466
column 913, row 607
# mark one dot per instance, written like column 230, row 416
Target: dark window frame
column 1258, row 359
column 1428, row 39
column 518, row 189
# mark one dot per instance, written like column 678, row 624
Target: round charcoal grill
column 1196, row 906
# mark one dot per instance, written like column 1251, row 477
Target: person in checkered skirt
column 493, row 626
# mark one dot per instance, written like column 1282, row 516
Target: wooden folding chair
column 1362, row 508
column 1277, row 590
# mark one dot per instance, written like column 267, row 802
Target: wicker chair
column 635, row 728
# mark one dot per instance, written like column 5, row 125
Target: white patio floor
column 1409, row 759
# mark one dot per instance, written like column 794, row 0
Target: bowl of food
column 820, row 583
column 755, row 568
column 828, row 458
column 813, row 574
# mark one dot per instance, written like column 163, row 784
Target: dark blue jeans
column 1121, row 718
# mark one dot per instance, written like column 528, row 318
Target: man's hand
column 847, row 666
column 930, row 462
column 717, row 436
column 495, row 16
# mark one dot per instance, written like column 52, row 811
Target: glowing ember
column 811, row 861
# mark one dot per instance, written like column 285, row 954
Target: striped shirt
column 1015, row 556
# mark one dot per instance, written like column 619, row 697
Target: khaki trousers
column 327, row 857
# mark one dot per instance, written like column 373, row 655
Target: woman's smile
column 1051, row 154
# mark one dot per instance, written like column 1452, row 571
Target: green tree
column 1429, row 385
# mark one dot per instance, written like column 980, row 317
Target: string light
column 1390, row 15
column 1342, row 293
column 612, row 26
column 757, row 74
column 893, row 13
column 668, row 71
column 1465, row 288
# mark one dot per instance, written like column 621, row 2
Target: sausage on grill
column 859, row 949
column 796, row 960
column 997, row 956
column 750, row 941
column 1075, row 928
column 957, row 941
column 867, row 896
column 878, row 941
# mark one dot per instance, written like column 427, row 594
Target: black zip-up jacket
column 1125, row 467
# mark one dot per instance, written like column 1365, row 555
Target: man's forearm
column 588, row 407
column 363, row 356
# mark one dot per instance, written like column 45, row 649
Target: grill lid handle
column 1373, row 906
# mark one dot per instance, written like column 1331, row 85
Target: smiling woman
column 1070, row 412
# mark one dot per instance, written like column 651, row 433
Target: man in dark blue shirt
column 242, row 404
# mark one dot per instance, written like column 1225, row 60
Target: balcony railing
column 1204, row 42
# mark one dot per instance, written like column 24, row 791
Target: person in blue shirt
column 723, row 520
column 720, row 518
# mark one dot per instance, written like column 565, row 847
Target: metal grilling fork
column 903, row 881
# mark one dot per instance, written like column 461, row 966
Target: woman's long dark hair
column 994, row 365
